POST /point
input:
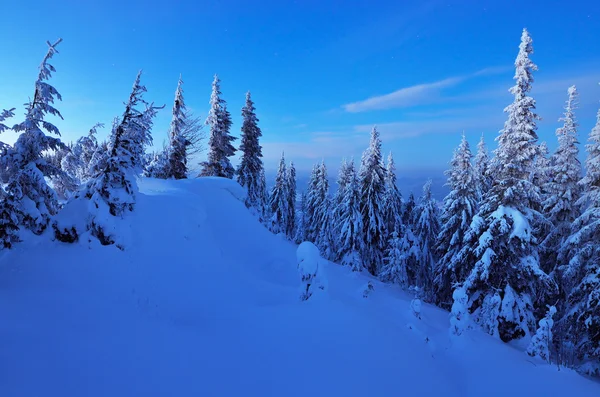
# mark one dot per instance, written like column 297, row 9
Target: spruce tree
column 338, row 197
column 24, row 168
column 323, row 215
column 290, row 180
column 220, row 146
column 392, row 199
column 8, row 214
column 372, row 186
column 506, row 283
column 251, row 164
column 177, row 150
column 459, row 208
column 408, row 210
column 427, row 229
column 348, row 225
column 316, row 202
column 279, row 201
column 300, row 220
column 580, row 264
column 563, row 188
column 112, row 190
column 481, row 170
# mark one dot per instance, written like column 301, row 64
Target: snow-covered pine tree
column 159, row 165
column 564, row 191
column 338, row 197
column 580, row 264
column 372, row 186
column 481, row 170
column 220, row 146
column 427, row 229
column 459, row 208
column 300, row 220
column 323, row 215
column 279, row 201
column 316, row 194
column 23, row 165
column 541, row 342
column 392, row 198
column 408, row 210
column 251, row 164
column 177, row 149
column 8, row 214
column 348, row 226
column 290, row 180
column 112, row 190
column 394, row 269
column 501, row 239
column 541, row 178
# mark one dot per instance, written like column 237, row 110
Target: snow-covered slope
column 204, row 301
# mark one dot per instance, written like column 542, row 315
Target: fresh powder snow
column 203, row 301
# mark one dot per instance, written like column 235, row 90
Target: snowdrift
column 204, row 301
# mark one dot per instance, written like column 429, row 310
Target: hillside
column 204, row 302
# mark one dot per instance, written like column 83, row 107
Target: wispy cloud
column 419, row 94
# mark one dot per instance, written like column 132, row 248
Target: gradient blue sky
column 320, row 72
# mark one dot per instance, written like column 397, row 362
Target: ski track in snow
column 204, row 302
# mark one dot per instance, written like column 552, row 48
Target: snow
column 203, row 300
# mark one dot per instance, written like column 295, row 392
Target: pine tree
column 317, row 194
column 541, row 176
column 220, row 146
column 348, row 225
column 580, row 259
column 323, row 215
column 8, row 214
column 459, row 208
column 338, row 197
column 279, row 201
column 563, row 188
column 393, row 198
column 177, row 149
column 251, row 164
column 542, row 340
column 427, row 229
column 112, row 190
column 290, row 180
column 24, row 167
column 481, row 170
column 300, row 220
column 395, row 267
column 372, row 186
column 501, row 240
column 408, row 211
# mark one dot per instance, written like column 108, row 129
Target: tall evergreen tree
column 481, row 170
column 279, row 201
column 113, row 189
column 459, row 208
column 372, row 186
column 392, row 199
column 311, row 207
column 349, row 226
column 24, row 168
column 8, row 214
column 506, row 281
column 408, row 210
column 338, row 197
column 563, row 187
column 251, row 164
column 427, row 229
column 177, row 149
column 323, row 215
column 290, row 180
column 300, row 220
column 580, row 259
column 220, row 146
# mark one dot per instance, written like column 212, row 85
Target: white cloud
column 417, row 94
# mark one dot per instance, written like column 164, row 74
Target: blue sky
column 321, row 72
